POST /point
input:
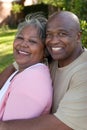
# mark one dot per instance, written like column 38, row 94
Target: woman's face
column 28, row 47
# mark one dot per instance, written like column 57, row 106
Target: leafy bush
column 84, row 32
column 6, row 46
column 17, row 8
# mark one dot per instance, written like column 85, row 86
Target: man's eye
column 62, row 34
column 48, row 35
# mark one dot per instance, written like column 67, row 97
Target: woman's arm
column 30, row 94
column 5, row 74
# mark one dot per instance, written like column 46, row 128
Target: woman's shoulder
column 37, row 66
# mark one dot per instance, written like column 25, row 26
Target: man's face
column 61, row 40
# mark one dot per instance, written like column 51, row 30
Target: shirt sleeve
column 30, row 94
column 73, row 107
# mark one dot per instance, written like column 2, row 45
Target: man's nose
column 55, row 39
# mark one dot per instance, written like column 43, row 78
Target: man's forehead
column 61, row 22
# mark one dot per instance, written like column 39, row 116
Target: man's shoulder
column 84, row 54
column 85, row 49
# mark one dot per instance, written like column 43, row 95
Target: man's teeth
column 56, row 48
column 22, row 52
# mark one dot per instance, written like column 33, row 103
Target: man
column 69, row 72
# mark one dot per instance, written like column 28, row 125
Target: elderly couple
column 28, row 98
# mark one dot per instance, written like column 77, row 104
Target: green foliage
column 4, row 28
column 6, row 47
column 16, row 8
column 84, row 32
column 56, row 3
column 79, row 7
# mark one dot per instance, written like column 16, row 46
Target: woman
column 28, row 91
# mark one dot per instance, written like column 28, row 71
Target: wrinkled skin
column 28, row 48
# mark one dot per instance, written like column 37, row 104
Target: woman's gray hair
column 38, row 20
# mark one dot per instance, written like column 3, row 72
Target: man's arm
column 5, row 74
column 45, row 122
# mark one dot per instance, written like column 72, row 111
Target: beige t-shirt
column 70, row 92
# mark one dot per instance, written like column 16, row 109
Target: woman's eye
column 32, row 41
column 20, row 38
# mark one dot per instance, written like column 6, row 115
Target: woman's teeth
column 22, row 52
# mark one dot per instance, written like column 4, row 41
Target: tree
column 53, row 5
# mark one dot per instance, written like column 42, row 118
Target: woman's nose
column 24, row 43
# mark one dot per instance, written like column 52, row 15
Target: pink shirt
column 29, row 94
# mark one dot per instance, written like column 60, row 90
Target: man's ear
column 79, row 35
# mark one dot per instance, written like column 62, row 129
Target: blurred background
column 12, row 12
